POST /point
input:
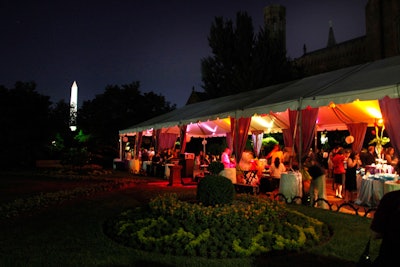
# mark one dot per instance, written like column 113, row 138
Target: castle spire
column 331, row 36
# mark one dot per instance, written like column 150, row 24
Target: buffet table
column 373, row 188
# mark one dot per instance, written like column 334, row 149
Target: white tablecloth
column 229, row 173
column 390, row 186
column 290, row 185
column 370, row 192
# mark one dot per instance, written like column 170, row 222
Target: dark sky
column 157, row 42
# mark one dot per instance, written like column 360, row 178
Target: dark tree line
column 32, row 127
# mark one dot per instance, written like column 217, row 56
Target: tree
column 62, row 137
column 25, row 124
column 241, row 60
column 117, row 108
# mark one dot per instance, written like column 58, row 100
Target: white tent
column 343, row 96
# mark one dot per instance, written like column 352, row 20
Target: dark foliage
column 215, row 167
column 242, row 60
column 117, row 108
column 33, row 128
column 215, row 190
column 25, row 123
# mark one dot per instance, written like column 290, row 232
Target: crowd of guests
column 339, row 164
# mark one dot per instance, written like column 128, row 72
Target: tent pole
column 299, row 121
column 120, row 147
column 315, row 138
column 300, row 139
column 294, row 137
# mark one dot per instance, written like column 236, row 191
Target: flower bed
column 249, row 227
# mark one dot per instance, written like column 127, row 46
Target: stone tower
column 275, row 22
column 382, row 18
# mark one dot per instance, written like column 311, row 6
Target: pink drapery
column 257, row 137
column 155, row 140
column 138, row 143
column 166, row 140
column 240, row 136
column 287, row 137
column 231, row 137
column 183, row 138
column 308, row 122
column 357, row 130
column 229, row 140
column 293, row 128
column 390, row 109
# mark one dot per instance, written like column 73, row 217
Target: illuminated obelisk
column 73, row 106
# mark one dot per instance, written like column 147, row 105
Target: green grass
column 72, row 235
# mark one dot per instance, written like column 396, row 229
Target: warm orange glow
column 370, row 106
column 374, row 112
column 263, row 122
column 332, row 105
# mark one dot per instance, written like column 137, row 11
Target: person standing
column 339, row 172
column 318, row 184
column 385, row 226
column 353, row 163
column 332, row 153
column 276, row 152
column 226, row 159
column 390, row 157
column 368, row 157
column 275, row 171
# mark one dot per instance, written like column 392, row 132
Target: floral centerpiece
column 379, row 139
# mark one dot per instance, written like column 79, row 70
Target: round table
column 390, row 186
column 290, row 185
column 370, row 192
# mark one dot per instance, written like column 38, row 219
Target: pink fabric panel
column 308, row 119
column 241, row 135
column 357, row 130
column 390, row 108
column 292, row 122
column 157, row 137
column 138, row 143
column 167, row 140
column 183, row 138
column 287, row 137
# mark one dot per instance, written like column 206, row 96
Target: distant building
column 382, row 40
column 196, row 96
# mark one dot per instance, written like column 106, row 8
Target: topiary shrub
column 215, row 167
column 215, row 190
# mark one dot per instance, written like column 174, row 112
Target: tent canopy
column 342, row 96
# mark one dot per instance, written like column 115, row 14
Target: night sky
column 157, row 42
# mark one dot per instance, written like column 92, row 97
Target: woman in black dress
column 353, row 163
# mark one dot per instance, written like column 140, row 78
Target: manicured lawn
column 71, row 234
